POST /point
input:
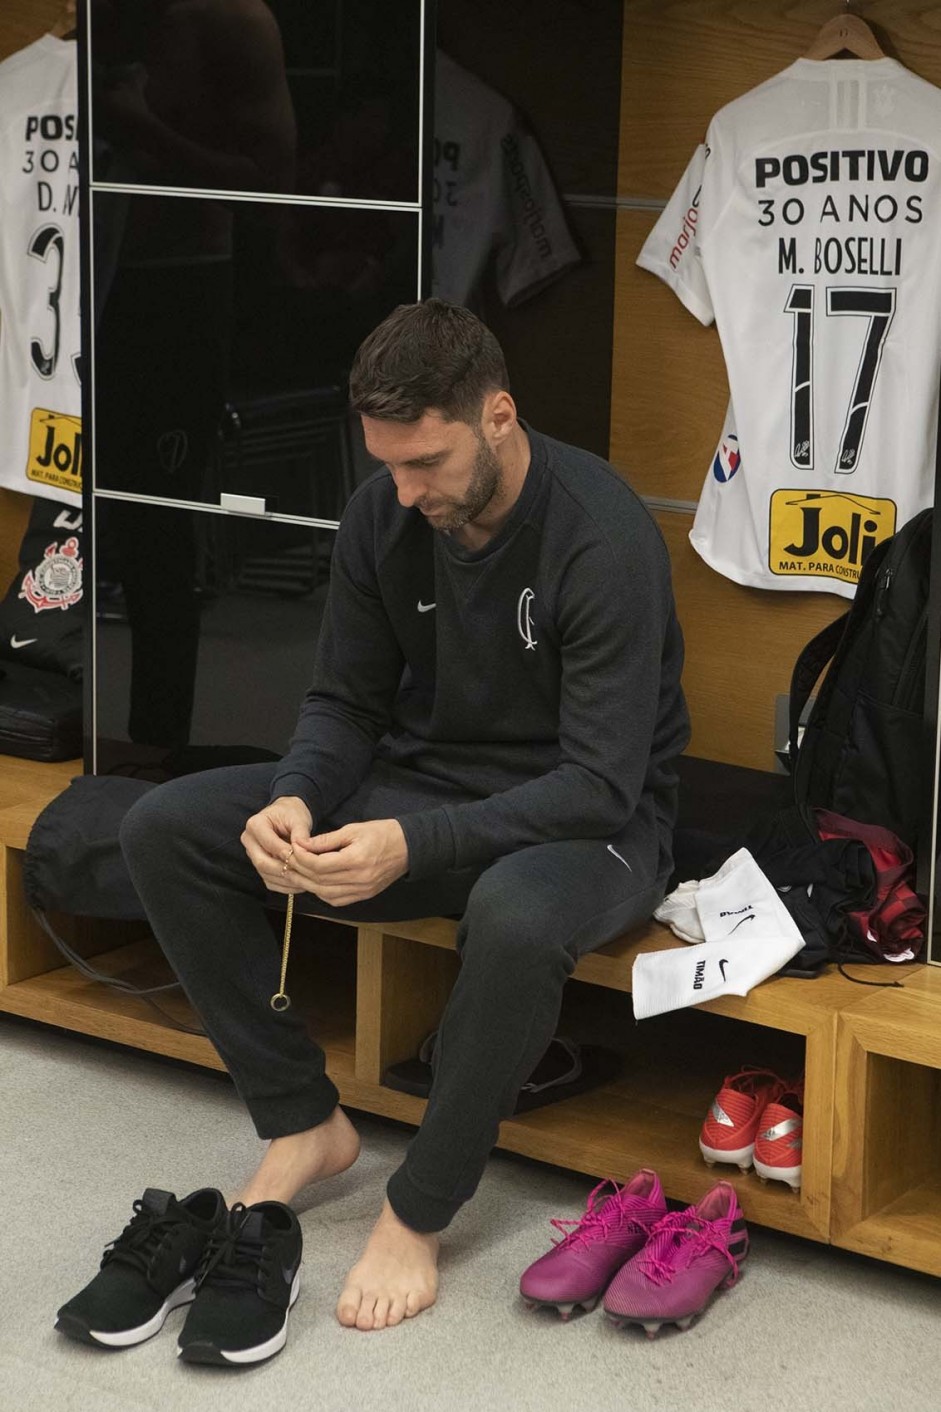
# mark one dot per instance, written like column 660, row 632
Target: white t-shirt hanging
column 494, row 196
column 40, row 389
column 807, row 228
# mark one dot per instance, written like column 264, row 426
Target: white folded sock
column 749, row 934
column 678, row 910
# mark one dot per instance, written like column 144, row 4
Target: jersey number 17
column 876, row 305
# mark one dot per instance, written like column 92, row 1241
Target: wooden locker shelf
column 872, row 1058
column 887, row 1138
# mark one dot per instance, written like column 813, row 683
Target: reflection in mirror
column 496, row 208
column 190, row 95
column 224, row 328
column 317, row 97
column 525, row 187
column 202, row 656
column 225, row 371
column 353, row 71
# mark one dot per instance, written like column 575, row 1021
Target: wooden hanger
column 65, row 26
column 847, row 33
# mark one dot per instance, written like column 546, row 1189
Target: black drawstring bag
column 73, row 859
column 74, row 864
column 40, row 714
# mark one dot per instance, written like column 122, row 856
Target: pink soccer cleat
column 689, row 1256
column 579, row 1267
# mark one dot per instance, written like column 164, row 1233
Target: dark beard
column 486, row 482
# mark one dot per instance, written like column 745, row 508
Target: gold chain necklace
column 281, row 1000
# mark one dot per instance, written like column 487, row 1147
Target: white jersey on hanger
column 494, row 197
column 807, row 228
column 40, row 389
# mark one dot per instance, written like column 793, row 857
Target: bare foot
column 293, row 1162
column 395, row 1278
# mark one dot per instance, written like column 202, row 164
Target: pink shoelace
column 596, row 1223
column 657, row 1260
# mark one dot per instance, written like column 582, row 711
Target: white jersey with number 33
column 40, row 388
column 807, row 228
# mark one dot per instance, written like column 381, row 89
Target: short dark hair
column 423, row 357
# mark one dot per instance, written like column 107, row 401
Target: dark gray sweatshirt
column 540, row 674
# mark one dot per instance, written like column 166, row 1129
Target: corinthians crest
column 56, row 581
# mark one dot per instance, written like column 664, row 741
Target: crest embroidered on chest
column 524, row 618
column 56, row 581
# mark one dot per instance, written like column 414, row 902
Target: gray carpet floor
column 87, row 1126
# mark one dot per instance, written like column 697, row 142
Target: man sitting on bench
column 490, row 733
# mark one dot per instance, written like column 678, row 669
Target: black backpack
column 864, row 751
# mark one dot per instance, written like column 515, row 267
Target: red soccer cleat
column 731, row 1125
column 778, row 1146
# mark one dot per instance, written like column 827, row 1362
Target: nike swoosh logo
column 722, row 965
column 425, row 607
column 612, row 849
column 749, row 918
column 22, row 641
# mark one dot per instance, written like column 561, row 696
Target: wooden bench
column 872, row 1057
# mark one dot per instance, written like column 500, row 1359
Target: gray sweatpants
column 526, row 918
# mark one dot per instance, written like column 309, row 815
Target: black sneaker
column 245, row 1287
column 147, row 1271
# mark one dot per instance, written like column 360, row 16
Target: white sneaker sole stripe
column 271, row 1345
column 124, row 1338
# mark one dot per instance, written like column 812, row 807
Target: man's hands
column 348, row 865
column 269, row 837
column 351, row 863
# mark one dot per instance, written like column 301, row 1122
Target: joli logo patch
column 827, row 534
column 55, row 450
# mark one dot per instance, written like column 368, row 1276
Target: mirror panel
column 224, row 370
column 205, row 631
column 525, row 195
column 307, row 97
